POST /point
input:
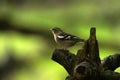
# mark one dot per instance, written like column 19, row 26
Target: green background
column 73, row 16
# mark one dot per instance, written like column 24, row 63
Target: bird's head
column 56, row 30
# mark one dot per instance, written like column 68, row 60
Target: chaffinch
column 65, row 39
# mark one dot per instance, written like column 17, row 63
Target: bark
column 86, row 64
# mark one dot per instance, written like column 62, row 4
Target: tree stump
column 86, row 64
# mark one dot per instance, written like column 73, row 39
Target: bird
column 64, row 39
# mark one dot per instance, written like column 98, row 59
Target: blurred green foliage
column 75, row 17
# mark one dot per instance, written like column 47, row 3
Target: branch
column 114, row 59
column 65, row 58
column 86, row 65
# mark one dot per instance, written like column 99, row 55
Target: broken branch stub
column 86, row 65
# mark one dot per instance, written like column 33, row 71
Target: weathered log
column 114, row 59
column 65, row 58
column 86, row 65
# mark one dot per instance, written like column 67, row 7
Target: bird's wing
column 66, row 36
